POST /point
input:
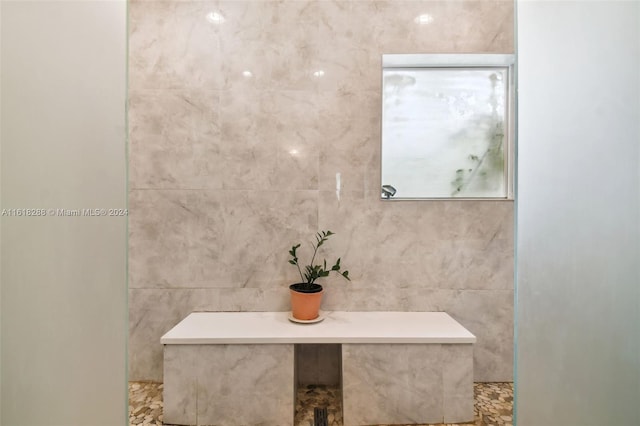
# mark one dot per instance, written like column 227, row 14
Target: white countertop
column 337, row 327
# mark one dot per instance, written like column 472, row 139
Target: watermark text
column 61, row 212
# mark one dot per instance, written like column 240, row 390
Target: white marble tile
column 245, row 385
column 278, row 41
column 457, row 378
column 347, row 67
column 242, row 238
column 488, row 314
column 293, row 118
column 172, row 45
column 248, row 152
column 472, row 264
column 476, row 220
column 180, row 384
column 392, row 384
column 274, row 299
column 458, row 409
column 270, row 140
column 195, row 239
column 465, row 26
column 228, row 384
column 406, row 242
column 350, row 128
column 153, row 312
column 160, row 229
column 457, row 371
column 174, row 139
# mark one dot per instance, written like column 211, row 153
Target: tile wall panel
column 236, row 143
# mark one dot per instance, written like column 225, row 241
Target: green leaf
column 314, row 271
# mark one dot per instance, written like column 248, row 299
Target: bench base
column 254, row 384
column 239, row 368
column 407, row 384
column 228, row 384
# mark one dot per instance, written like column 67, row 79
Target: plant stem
column 313, row 258
column 300, row 272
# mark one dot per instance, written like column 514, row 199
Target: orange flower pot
column 305, row 300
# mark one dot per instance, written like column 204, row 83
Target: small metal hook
column 388, row 191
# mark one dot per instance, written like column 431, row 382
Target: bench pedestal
column 228, row 384
column 237, row 368
column 407, row 384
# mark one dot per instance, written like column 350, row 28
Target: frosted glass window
column 446, row 131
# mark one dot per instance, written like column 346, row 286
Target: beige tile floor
column 493, row 404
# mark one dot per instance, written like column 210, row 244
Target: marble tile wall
column 237, row 131
column 212, row 384
column 407, row 384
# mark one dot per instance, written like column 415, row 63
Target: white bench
column 237, row 368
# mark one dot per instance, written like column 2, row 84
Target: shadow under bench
column 238, row 368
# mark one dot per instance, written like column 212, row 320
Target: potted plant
column 306, row 295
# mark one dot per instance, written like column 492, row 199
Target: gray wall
column 63, row 279
column 227, row 172
column 578, row 214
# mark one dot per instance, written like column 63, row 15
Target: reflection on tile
column 172, row 45
column 350, row 129
column 270, row 140
column 278, row 40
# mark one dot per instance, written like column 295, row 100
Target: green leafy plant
column 486, row 169
column 314, row 271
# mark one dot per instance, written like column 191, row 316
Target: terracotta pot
column 305, row 300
